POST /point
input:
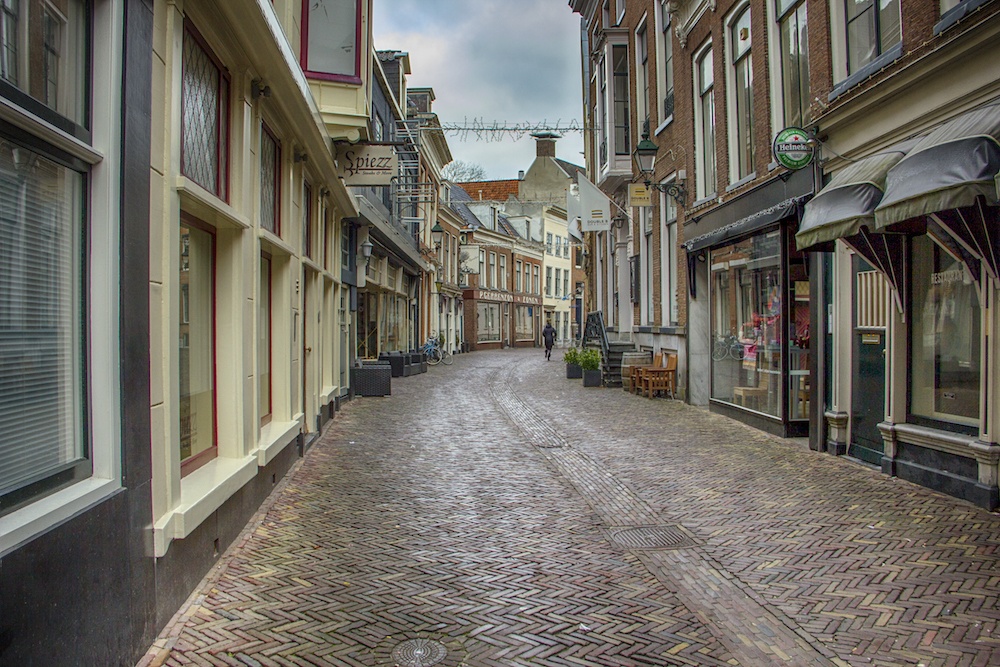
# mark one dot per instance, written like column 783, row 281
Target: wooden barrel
column 630, row 359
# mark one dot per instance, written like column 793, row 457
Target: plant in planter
column 590, row 362
column 572, row 359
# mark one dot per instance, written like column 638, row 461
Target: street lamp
column 437, row 232
column 644, row 158
column 366, row 250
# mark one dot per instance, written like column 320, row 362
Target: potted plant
column 590, row 362
column 572, row 359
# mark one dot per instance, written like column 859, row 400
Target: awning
column 976, row 229
column 746, row 225
column 888, row 253
column 848, row 201
column 947, row 169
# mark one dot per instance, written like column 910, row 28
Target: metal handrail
column 595, row 329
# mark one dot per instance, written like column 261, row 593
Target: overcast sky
column 507, row 61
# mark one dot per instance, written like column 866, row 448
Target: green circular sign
column 793, row 149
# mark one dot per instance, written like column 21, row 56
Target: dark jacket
column 549, row 335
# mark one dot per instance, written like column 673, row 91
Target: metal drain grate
column 654, row 537
column 418, row 652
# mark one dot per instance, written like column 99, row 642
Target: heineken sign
column 793, row 149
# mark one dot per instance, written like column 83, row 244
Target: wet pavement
column 495, row 513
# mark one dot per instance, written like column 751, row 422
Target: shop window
column 489, row 322
column 270, row 181
column 331, row 39
column 196, row 349
column 204, row 116
column 945, row 338
column 264, row 341
column 524, row 323
column 794, row 61
column 746, row 323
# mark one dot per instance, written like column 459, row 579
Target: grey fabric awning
column 947, row 169
column 746, row 225
column 848, row 201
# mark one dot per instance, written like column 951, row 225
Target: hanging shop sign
column 369, row 164
column 638, row 195
column 792, row 148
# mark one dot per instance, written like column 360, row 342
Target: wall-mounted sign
column 792, row 148
column 638, row 195
column 367, row 164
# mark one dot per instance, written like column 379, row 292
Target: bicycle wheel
column 720, row 350
column 434, row 356
column 447, row 357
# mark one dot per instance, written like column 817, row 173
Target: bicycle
column 727, row 347
column 436, row 354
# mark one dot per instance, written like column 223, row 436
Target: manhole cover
column 654, row 537
column 418, row 653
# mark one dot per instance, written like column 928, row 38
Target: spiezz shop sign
column 367, row 165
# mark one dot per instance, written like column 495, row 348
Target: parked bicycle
column 727, row 347
column 435, row 353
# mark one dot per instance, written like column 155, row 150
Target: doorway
column 871, row 304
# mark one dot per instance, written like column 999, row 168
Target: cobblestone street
column 495, row 513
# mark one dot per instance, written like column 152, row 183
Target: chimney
column 545, row 143
column 520, row 175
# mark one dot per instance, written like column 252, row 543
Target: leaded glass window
column 204, row 117
column 270, row 190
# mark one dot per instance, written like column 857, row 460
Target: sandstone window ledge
column 204, row 205
column 274, row 437
column 202, row 493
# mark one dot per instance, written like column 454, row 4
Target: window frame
column 265, row 131
column 223, row 110
column 643, row 107
column 196, row 461
column 355, row 78
column 780, row 112
column 664, row 65
column 307, row 219
column 704, row 149
column 741, row 165
column 266, row 418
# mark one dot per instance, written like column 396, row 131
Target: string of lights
column 497, row 131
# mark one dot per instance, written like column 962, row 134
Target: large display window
column 747, row 301
column 489, row 322
column 946, row 337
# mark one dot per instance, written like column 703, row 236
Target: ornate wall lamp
column 645, row 158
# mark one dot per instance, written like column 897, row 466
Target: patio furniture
column 663, row 379
column 635, row 372
column 372, row 378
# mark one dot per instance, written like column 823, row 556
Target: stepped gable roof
column 491, row 190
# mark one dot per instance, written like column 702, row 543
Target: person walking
column 549, row 337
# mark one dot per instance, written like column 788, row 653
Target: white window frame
column 732, row 106
column 704, row 189
column 643, row 108
column 664, row 64
column 668, row 257
column 620, row 11
column 103, row 291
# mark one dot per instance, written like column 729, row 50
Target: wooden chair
column 635, row 372
column 661, row 379
column 741, row 394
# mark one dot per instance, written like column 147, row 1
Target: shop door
column 871, row 303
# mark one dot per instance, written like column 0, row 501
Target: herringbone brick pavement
column 489, row 506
